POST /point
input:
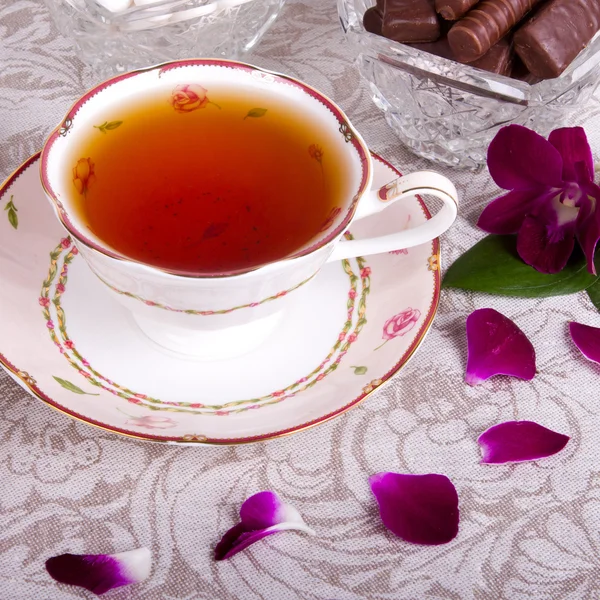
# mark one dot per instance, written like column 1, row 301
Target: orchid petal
column 573, row 146
column 587, row 340
column 588, row 226
column 543, row 254
column 496, row 346
column 520, row 159
column 519, row 441
column 265, row 509
column 261, row 515
column 507, row 213
column 99, row 573
column 420, row 509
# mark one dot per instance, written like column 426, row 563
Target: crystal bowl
column 449, row 112
column 159, row 31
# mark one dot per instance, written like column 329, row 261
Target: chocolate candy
column 483, row 26
column 410, row 21
column 552, row 38
column 498, row 59
column 372, row 20
column 454, row 9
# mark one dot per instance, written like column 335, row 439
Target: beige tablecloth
column 527, row 531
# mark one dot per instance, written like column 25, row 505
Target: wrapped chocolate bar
column 372, row 20
column 410, row 21
column 485, row 25
column 498, row 59
column 552, row 38
column 451, row 10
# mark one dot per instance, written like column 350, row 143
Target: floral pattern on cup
column 315, row 151
column 400, row 324
column 83, row 175
column 188, row 97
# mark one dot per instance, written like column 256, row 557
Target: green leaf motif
column 594, row 293
column 493, row 266
column 359, row 370
column 13, row 218
column 108, row 126
column 72, row 387
column 255, row 113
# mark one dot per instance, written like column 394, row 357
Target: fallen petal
column 99, row 573
column 420, row 509
column 261, row 515
column 587, row 339
column 496, row 346
column 519, row 441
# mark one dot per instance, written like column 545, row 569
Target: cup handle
column 374, row 201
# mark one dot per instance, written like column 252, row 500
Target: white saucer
column 66, row 341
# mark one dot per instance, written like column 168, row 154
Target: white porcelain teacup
column 218, row 317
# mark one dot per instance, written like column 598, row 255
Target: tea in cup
column 203, row 193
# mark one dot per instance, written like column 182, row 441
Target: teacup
column 216, row 317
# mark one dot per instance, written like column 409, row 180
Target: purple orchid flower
column 587, row 340
column 519, row 441
column 552, row 198
column 261, row 515
column 496, row 346
column 100, row 573
column 421, row 509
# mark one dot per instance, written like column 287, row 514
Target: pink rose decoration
column 65, row 242
column 151, row 422
column 400, row 324
column 186, row 98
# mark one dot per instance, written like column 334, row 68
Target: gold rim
column 15, row 373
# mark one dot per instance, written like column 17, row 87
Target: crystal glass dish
column 449, row 112
column 114, row 36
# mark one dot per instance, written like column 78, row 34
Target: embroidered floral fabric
column 527, row 530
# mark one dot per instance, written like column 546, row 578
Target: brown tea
column 206, row 186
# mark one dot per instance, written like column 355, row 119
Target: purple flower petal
column 587, row 339
column 421, row 509
column 520, row 159
column 506, row 214
column 100, row 572
column 518, row 441
column 496, row 346
column 537, row 250
column 261, row 515
column 588, row 226
column 578, row 163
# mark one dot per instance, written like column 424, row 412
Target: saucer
column 65, row 340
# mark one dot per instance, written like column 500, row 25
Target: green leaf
column 72, row 387
column 359, row 370
column 256, row 112
column 113, row 125
column 108, row 126
column 594, row 293
column 493, row 266
column 13, row 218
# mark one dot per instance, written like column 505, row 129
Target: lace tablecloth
column 527, row 531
